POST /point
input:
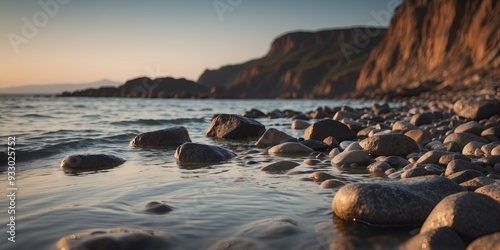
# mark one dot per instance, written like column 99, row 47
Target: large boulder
column 195, row 152
column 170, row 137
column 86, row 162
column 404, row 202
column 469, row 214
column 272, row 137
column 389, row 144
column 476, row 110
column 324, row 128
column 234, row 127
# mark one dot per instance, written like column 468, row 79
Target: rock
column 490, row 160
column 324, row 128
column 405, row 202
column 312, row 162
column 272, row 228
column 321, row 176
column 303, row 117
column 227, row 126
column 331, row 183
column 353, row 146
column 446, row 159
column 196, row 152
column 421, row 136
column 490, row 241
column 290, row 148
column 396, row 161
column 467, row 213
column 449, row 147
column 155, row 207
column 315, row 145
column 414, row 172
column 494, row 131
column 403, row 126
column 170, row 137
column 389, row 144
column 254, row 113
column 119, row 238
column 458, row 165
column 463, row 138
column 432, row 157
column 440, row 238
column 300, row 124
column 237, row 244
column 472, row 127
column 421, row 119
column 487, row 148
column 350, row 157
column 471, row 148
column 334, row 152
column 331, row 142
column 280, row 167
column 378, row 167
column 477, row 182
column 476, row 110
column 491, row 190
column 85, row 162
column 465, row 175
column 272, row 137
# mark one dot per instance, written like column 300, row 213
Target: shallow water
column 211, row 203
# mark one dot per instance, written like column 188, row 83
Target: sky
column 79, row 41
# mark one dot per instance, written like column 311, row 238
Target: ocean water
column 211, row 203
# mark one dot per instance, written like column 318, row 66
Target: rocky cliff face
column 430, row 43
column 298, row 65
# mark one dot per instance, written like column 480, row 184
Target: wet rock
column 272, row 137
column 272, row 228
column 312, row 162
column 491, row 190
column 84, row 162
column 324, row 128
column 476, row 110
column 234, row 127
column 421, row 136
column 378, row 167
column 350, row 157
column 321, row 176
column 465, row 175
column 404, row 202
column 334, row 152
column 254, row 113
column 315, row 145
column 280, row 167
column 421, row 119
column 477, row 182
column 389, row 144
column 472, row 127
column 237, row 244
column 300, row 124
column 440, row 238
column 170, row 137
column 154, row 207
column 331, row 183
column 432, row 157
column 463, row 138
column 119, row 238
column 467, row 213
column 196, row 152
column 490, row 241
column 290, row 148
column 303, row 117
column 414, row 172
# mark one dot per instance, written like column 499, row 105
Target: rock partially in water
column 490, row 241
column 119, row 238
column 324, row 128
column 331, row 183
column 441, row 238
column 272, row 228
column 86, row 162
column 389, row 144
column 280, row 167
column 196, row 152
column 469, row 214
column 170, row 137
column 350, row 157
column 414, row 172
column 300, row 124
column 491, row 190
column 238, row 244
column 378, row 167
column 405, row 202
column 228, row 126
column 272, row 137
column 155, row 207
column 476, row 110
column 290, row 148
column 321, row 176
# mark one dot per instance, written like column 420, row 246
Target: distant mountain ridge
column 57, row 88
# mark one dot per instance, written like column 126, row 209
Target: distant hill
column 57, row 88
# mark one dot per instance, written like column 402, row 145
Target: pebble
column 477, row 182
column 465, row 175
column 476, row 110
column 237, row 244
column 421, row 136
column 463, row 138
column 155, row 207
column 272, row 228
column 315, row 145
column 446, row 159
column 331, row 183
column 472, row 127
column 432, row 157
column 321, row 176
column 170, row 137
column 290, row 148
column 379, row 167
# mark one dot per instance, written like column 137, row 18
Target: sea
column 211, row 203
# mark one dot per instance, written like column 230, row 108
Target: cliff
column 298, row 65
column 436, row 44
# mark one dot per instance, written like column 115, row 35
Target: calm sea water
column 211, row 203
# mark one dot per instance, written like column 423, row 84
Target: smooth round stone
column 84, row 162
column 491, row 160
column 467, row 213
column 334, row 152
column 324, row 128
column 196, row 152
column 404, row 202
column 476, row 110
column 465, row 175
column 238, row 244
column 487, row 148
column 450, row 146
column 414, row 172
column 290, row 148
column 421, row 119
column 471, row 148
column 421, row 136
column 272, row 137
column 491, row 190
column 155, row 207
column 331, row 183
column 403, row 126
column 312, row 162
column 477, row 182
column 321, row 176
column 396, row 161
column 170, row 137
column 463, row 138
column 300, row 124
column 378, row 167
column 432, row 157
column 440, row 238
column 226, row 126
column 273, row 228
column 353, row 146
column 472, row 127
column 331, row 142
column 434, row 169
column 446, row 159
column 389, row 144
column 490, row 241
column 350, row 157
column 119, row 238
column 280, row 167
column 458, row 165
column 496, row 167
column 494, row 131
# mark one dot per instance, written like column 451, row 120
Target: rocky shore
column 438, row 157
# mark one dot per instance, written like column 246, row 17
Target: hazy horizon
column 73, row 41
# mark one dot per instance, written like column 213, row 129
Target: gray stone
column 300, row 124
column 334, row 152
column 195, row 152
column 155, row 207
column 458, row 165
column 476, row 110
column 465, row 175
column 331, row 183
column 405, row 202
column 272, row 137
column 290, row 148
column 463, row 138
column 85, row 162
column 324, row 128
column 396, row 161
column 389, row 144
column 350, row 157
column 491, row 190
column 378, row 167
column 280, row 167
column 227, row 126
column 170, row 137
column 490, row 241
column 477, row 182
column 469, row 214
column 472, row 127
column 440, row 238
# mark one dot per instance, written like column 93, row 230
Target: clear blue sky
column 87, row 40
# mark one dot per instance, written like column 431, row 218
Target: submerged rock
column 155, row 207
column 389, row 144
column 280, row 167
column 170, row 137
column 405, row 202
column 234, row 127
column 84, row 162
column 195, row 152
column 272, row 228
